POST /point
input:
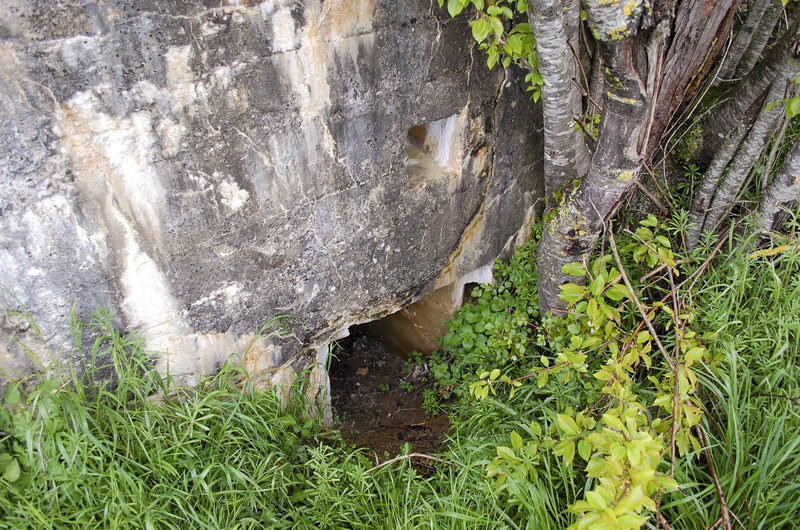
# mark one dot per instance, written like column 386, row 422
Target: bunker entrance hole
column 377, row 391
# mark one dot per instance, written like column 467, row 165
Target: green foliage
column 588, row 445
column 408, row 387
column 626, row 409
column 134, row 451
column 791, row 105
column 751, row 300
column 506, row 41
column 498, row 329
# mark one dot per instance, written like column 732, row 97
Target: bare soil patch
column 372, row 404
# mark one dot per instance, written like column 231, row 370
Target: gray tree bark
column 742, row 40
column 699, row 30
column 572, row 23
column 572, row 229
column 746, row 157
column 782, row 191
column 632, row 124
column 711, row 179
column 555, row 65
column 717, row 195
column 743, row 94
column 759, row 39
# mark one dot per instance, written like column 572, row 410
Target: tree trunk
column 572, row 25
column 743, row 94
column 632, row 124
column 693, row 51
column 716, row 196
column 745, row 159
column 760, row 37
column 711, row 179
column 572, row 229
column 555, row 65
column 742, row 40
column 782, row 191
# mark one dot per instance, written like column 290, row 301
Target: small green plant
column 415, row 358
column 430, row 402
column 505, row 39
column 408, row 387
column 498, row 329
column 384, row 388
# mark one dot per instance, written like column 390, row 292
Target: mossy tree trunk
column 648, row 74
column 783, row 191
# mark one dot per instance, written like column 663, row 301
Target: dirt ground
column 370, row 406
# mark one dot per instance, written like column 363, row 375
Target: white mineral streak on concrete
column 323, row 381
column 233, row 197
column 303, row 55
column 113, row 158
column 481, row 275
column 171, row 135
column 181, row 89
column 284, row 37
column 446, row 140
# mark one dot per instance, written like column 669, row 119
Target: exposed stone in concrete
column 202, row 167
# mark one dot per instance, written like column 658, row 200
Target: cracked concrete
column 201, row 170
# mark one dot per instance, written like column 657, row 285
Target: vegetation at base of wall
column 529, row 451
column 78, row 452
column 599, row 387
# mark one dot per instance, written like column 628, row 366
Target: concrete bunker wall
column 200, row 170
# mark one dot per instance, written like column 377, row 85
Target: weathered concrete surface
column 201, row 168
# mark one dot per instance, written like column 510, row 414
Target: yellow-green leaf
column 574, row 269
column 516, row 440
column 567, row 424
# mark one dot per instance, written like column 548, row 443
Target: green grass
column 133, row 451
column 753, row 401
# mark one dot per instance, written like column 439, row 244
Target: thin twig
column 658, row 185
column 676, row 370
column 652, row 197
column 585, row 129
column 726, row 517
column 699, row 272
column 403, row 457
column 636, row 299
column 583, row 72
column 662, row 520
column 795, row 401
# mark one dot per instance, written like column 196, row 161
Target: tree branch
column 636, row 301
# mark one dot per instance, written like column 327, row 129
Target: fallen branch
column 403, row 457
